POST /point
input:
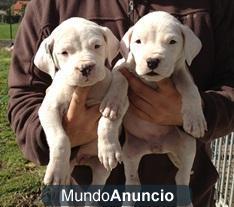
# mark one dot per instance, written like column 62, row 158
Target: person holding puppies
column 212, row 70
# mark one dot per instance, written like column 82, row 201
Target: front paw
column 194, row 123
column 110, row 107
column 57, row 173
column 109, row 154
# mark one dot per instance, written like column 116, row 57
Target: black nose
column 152, row 63
column 86, row 69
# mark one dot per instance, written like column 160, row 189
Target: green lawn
column 5, row 31
column 20, row 180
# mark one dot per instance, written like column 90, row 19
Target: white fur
column 155, row 43
column 150, row 37
column 74, row 45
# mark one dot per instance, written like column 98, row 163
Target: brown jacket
column 212, row 21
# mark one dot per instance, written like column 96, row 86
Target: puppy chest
column 145, row 130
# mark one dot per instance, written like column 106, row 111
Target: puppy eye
column 138, row 41
column 172, row 42
column 97, row 46
column 64, row 53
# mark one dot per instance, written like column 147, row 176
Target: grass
column 20, row 180
column 5, row 31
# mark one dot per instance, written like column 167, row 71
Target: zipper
column 131, row 12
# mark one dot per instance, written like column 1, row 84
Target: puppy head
column 78, row 48
column 158, row 43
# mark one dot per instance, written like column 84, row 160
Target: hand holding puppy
column 162, row 106
column 80, row 121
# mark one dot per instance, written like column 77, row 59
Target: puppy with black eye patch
column 158, row 46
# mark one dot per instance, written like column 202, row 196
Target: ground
column 20, row 180
column 5, row 31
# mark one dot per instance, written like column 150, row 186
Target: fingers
column 229, row 91
column 80, row 95
column 226, row 91
column 226, row 94
column 166, row 87
column 138, row 112
column 78, row 100
column 94, row 112
column 165, row 83
column 138, row 87
column 223, row 93
column 125, row 72
column 132, row 79
column 140, row 103
column 157, row 106
column 227, row 88
column 77, row 105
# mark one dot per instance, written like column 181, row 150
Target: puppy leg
column 193, row 118
column 131, row 175
column 131, row 170
column 132, row 155
column 58, row 169
column 113, row 108
column 100, row 175
column 109, row 149
column 113, row 103
column 182, row 157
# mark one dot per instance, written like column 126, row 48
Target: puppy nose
column 86, row 69
column 152, row 63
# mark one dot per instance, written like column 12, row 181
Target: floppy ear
column 192, row 44
column 43, row 58
column 112, row 43
column 125, row 43
column 125, row 47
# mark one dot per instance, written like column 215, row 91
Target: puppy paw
column 109, row 154
column 57, row 173
column 110, row 108
column 194, row 123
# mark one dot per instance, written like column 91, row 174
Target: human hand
column 227, row 91
column 161, row 106
column 80, row 122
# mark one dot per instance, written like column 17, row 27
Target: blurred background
column 20, row 180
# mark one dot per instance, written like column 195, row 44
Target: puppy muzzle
column 86, row 69
column 152, row 63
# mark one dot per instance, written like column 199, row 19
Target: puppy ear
column 192, row 44
column 125, row 43
column 43, row 58
column 125, row 48
column 112, row 43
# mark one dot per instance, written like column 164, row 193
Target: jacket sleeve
column 219, row 111
column 27, row 86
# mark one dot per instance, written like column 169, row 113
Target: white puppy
column 158, row 46
column 74, row 55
